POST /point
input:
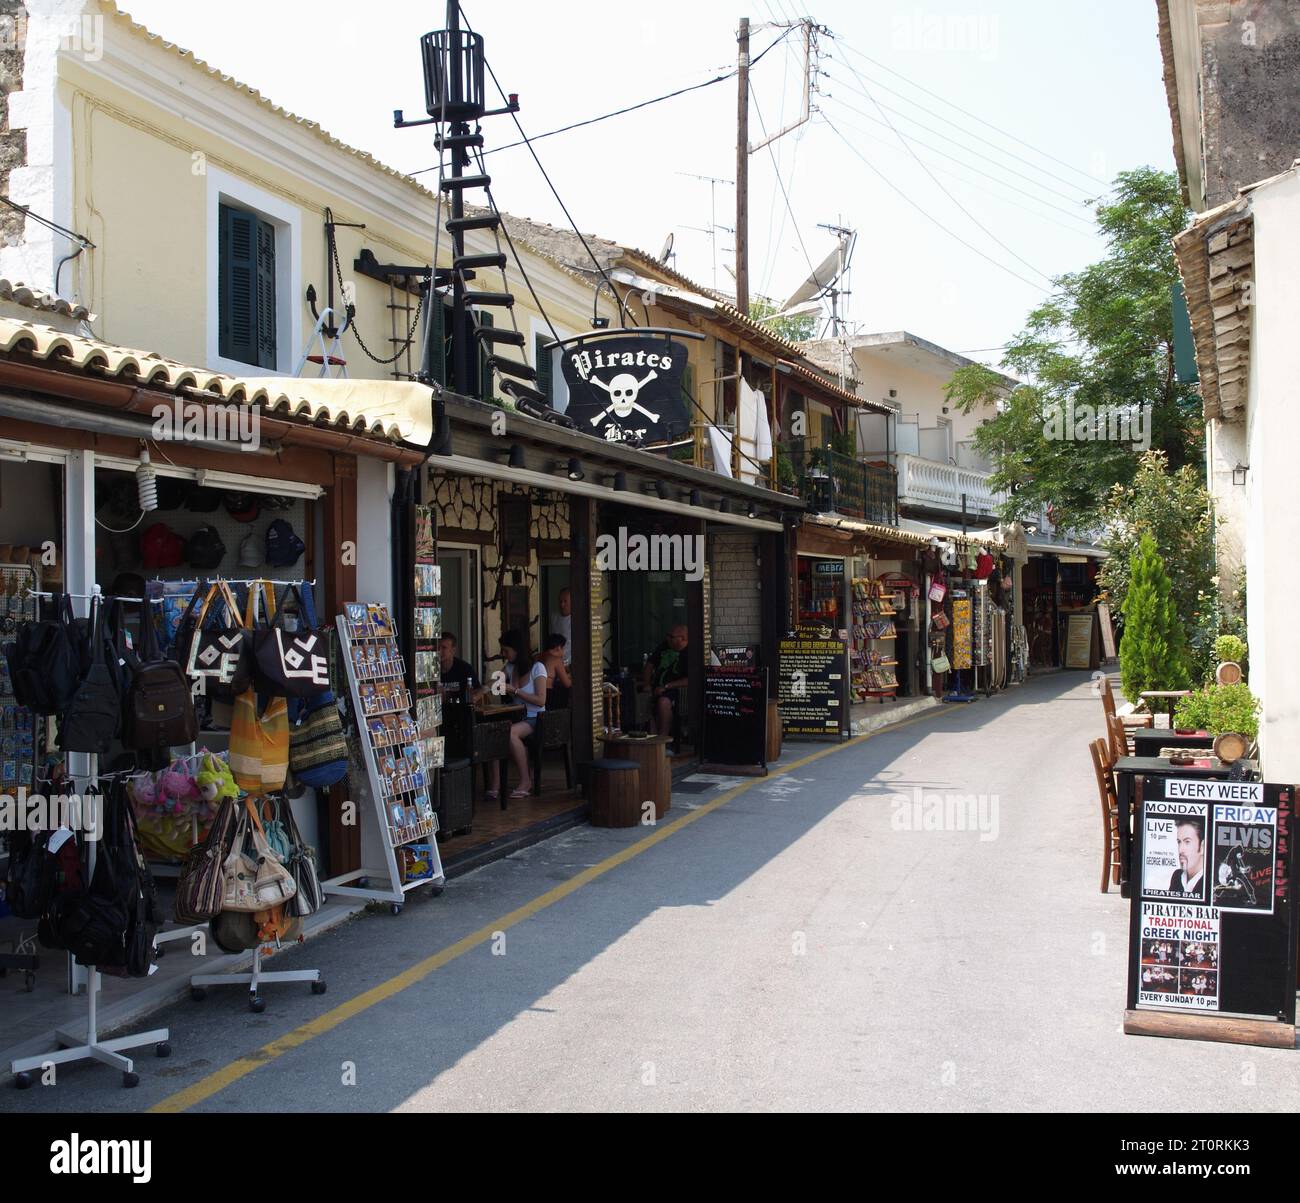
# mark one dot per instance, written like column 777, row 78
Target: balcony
column 929, row 484
column 839, row 484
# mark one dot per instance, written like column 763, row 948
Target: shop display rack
column 393, row 741
column 872, row 659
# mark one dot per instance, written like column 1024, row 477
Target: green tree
column 1101, row 343
column 792, row 329
column 1152, row 652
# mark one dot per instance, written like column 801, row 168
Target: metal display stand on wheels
column 199, row 982
column 388, row 732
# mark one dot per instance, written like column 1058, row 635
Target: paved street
column 781, row 944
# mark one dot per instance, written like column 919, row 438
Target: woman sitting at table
column 525, row 681
column 558, row 680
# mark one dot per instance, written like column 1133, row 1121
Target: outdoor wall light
column 752, row 512
column 661, row 489
column 724, row 506
column 618, row 480
column 516, row 456
column 1239, row 473
column 696, row 497
column 575, row 469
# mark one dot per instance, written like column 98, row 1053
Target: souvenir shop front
column 545, row 532
column 1059, row 584
column 168, row 610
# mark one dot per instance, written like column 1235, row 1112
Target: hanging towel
column 720, row 445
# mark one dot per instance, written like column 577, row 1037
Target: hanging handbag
column 239, row 872
column 259, row 744
column 219, row 653
column 273, row 884
column 939, row 620
column 276, row 832
column 938, row 590
column 318, row 749
column 940, row 664
column 199, row 888
column 235, row 931
column 159, row 710
column 302, row 864
column 45, row 666
column 291, row 664
column 91, row 721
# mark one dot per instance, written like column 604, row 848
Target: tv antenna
column 829, row 281
column 713, row 227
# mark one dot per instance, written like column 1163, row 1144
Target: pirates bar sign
column 627, row 389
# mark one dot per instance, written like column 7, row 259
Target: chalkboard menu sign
column 814, row 685
column 1212, row 933
column 735, row 716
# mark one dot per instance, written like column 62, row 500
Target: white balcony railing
column 927, row 482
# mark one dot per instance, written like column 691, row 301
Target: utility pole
column 742, row 170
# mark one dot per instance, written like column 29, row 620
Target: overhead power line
column 928, row 216
column 631, row 108
column 781, row 184
column 944, row 189
column 1074, row 200
column 968, row 113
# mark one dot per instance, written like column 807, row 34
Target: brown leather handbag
column 199, row 890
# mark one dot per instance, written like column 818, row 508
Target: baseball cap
column 250, row 551
column 283, row 547
column 161, row 547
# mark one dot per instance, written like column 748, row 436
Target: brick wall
column 733, row 595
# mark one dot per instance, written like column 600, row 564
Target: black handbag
column 45, row 661
column 159, row 709
column 219, row 653
column 93, row 717
column 291, row 665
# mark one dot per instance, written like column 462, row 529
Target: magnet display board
column 1212, row 931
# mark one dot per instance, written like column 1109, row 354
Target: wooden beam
column 1265, row 1033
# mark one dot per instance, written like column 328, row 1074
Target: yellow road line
column 219, row 1079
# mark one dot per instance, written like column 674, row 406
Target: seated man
column 459, row 681
column 667, row 675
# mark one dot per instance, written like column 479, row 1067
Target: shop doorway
column 462, row 612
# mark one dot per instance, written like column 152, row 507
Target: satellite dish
column 794, row 311
column 668, row 249
column 824, row 277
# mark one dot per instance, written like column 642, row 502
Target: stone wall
column 13, row 143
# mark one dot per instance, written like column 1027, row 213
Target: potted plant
column 1230, row 653
column 1220, row 710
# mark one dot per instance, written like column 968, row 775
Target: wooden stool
column 615, row 793
column 773, row 731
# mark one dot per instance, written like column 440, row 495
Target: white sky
column 1078, row 79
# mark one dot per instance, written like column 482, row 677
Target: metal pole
column 742, row 170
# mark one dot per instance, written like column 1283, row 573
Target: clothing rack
column 73, row 1046
column 96, row 596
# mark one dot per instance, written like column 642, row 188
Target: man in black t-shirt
column 666, row 675
column 459, row 682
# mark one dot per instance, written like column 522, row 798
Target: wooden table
column 650, row 755
column 1169, row 695
column 1127, row 768
column 1147, row 741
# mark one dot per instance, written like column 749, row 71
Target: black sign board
column 737, row 657
column 735, row 717
column 1213, row 926
column 814, row 685
column 628, row 388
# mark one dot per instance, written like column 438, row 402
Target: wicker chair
column 554, row 733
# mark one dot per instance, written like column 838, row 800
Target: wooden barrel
column 615, row 793
column 773, row 731
column 650, row 755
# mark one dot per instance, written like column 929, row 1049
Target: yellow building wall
column 140, row 193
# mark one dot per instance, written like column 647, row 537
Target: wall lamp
column 575, row 469
column 618, row 480
column 697, row 498
column 516, row 456
column 724, row 506
column 1239, row 473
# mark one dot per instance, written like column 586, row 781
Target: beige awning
column 387, row 409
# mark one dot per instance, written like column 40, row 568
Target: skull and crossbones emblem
column 623, row 390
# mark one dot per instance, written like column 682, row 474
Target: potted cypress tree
column 1153, row 649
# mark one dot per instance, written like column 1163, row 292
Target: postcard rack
column 399, row 779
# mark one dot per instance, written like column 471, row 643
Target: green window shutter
column 484, row 372
column 435, row 346
column 266, row 357
column 542, row 362
column 237, row 288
